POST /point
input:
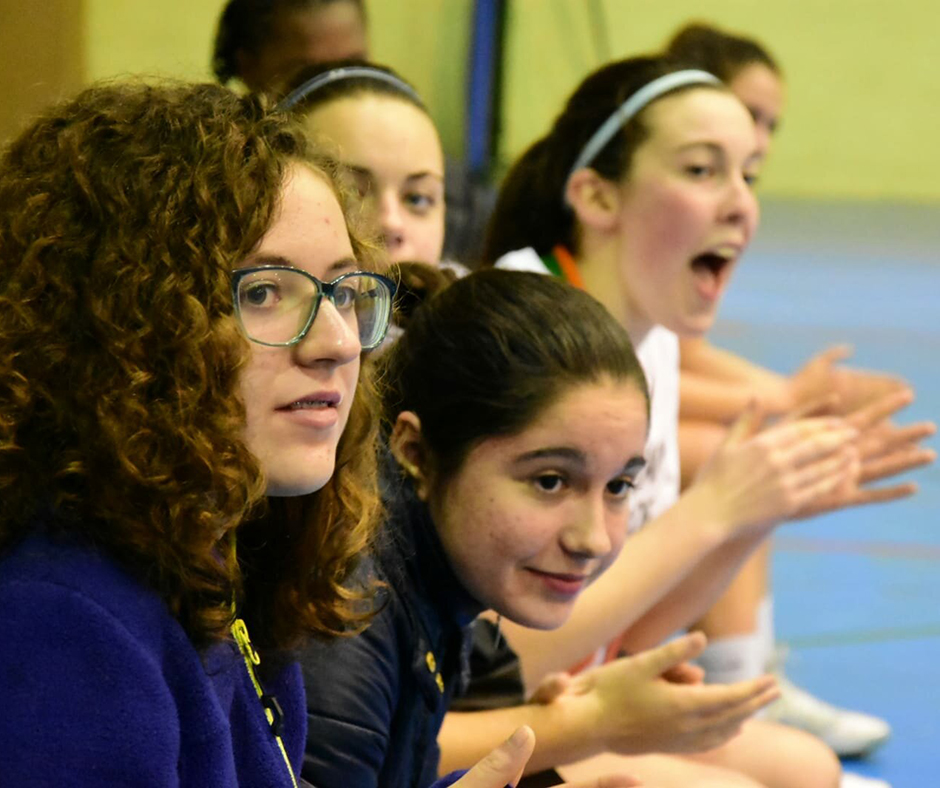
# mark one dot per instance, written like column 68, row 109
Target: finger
column 882, row 494
column 895, row 463
column 790, row 433
column 825, row 496
column 825, row 405
column 747, row 424
column 656, row 661
column 714, row 699
column 842, row 466
column 817, row 445
column 885, row 437
column 833, row 355
column 726, row 725
column 880, row 409
column 684, row 673
column 734, row 715
column 503, row 766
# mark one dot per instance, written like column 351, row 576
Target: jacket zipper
column 251, row 657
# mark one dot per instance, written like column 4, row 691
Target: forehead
column 308, row 227
column 756, row 83
column 700, row 115
column 371, row 127
column 331, row 31
column 604, row 420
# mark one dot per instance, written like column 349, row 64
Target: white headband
column 633, row 105
column 345, row 72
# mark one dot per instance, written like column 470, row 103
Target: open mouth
column 711, row 270
column 711, row 261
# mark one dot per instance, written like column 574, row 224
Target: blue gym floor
column 857, row 592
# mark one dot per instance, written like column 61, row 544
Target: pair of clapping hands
column 652, row 702
column 867, row 401
column 824, row 455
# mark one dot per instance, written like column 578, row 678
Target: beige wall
column 41, row 57
column 864, row 75
column 423, row 39
column 162, row 38
column 864, row 82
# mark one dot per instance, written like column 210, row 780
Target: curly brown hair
column 122, row 214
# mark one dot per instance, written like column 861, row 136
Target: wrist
column 712, row 523
column 581, row 725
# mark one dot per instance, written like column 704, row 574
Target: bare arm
column 709, row 374
column 562, row 733
column 717, row 385
column 705, row 398
column 698, row 355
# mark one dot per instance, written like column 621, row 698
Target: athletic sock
column 737, row 658
column 765, row 632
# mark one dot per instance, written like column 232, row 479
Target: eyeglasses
column 276, row 304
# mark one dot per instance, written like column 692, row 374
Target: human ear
column 594, row 199
column 407, row 447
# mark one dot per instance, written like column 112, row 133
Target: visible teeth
column 310, row 403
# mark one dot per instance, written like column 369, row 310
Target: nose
column 739, row 205
column 331, row 341
column 587, row 535
column 764, row 132
column 392, row 220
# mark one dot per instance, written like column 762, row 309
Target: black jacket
column 376, row 701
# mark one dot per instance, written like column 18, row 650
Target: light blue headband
column 345, row 72
column 633, row 105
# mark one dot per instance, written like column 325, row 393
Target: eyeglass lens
column 277, row 305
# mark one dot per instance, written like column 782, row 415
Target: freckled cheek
column 256, row 389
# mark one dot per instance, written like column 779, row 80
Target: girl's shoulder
column 46, row 568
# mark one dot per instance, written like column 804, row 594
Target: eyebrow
column 632, row 467
column 714, row 147
column 425, row 174
column 276, row 259
column 365, row 172
column 559, row 452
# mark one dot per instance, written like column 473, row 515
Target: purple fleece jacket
column 100, row 685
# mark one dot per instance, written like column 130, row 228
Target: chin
column 546, row 618
column 695, row 326
column 297, row 485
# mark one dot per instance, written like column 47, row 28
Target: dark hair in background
column 486, row 355
column 347, row 87
column 122, row 214
column 245, row 25
column 714, row 50
column 531, row 209
column 415, row 283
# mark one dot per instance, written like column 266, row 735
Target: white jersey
column 657, row 486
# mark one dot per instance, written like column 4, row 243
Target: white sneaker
column 851, row 734
column 850, row 780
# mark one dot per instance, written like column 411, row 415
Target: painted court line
column 859, row 637
column 910, row 551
